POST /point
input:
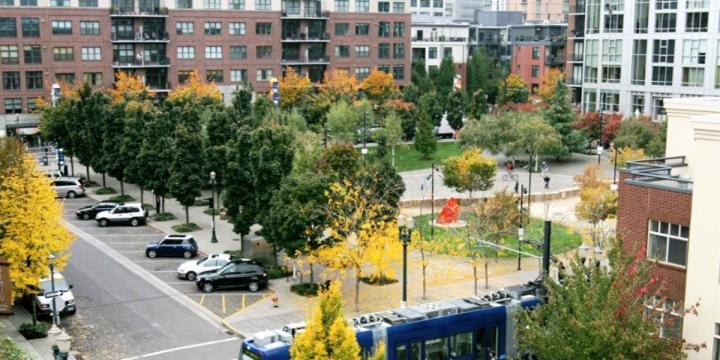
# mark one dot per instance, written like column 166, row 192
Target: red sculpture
column 449, row 213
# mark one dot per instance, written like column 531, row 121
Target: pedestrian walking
column 546, row 177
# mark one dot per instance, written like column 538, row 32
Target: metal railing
column 308, row 37
column 657, row 173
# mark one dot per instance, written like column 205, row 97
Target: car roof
column 219, row 256
column 177, row 236
column 68, row 178
column 132, row 204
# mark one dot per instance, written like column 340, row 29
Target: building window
column 28, row 2
column 63, row 54
column 123, row 53
column 658, row 106
column 399, row 29
column 88, row 3
column 9, row 54
column 214, row 76
column 362, row 51
column 60, row 3
column 362, row 29
column 89, row 28
column 589, row 100
column 592, row 10
column 696, row 22
column 13, row 105
column 30, row 27
column 264, row 75
column 65, row 77
column 591, row 61
column 34, row 80
column 693, row 77
column 238, row 52
column 31, row 104
column 342, row 51
column 398, row 7
column 398, row 72
column 93, row 78
column 213, row 28
column 665, row 313
column 639, row 62
column 697, row 4
column 614, row 23
column 237, row 28
column 184, row 76
column 237, row 4
column 665, row 22
column 612, row 51
column 362, row 72
column 399, row 51
column 90, row 53
column 662, row 75
column 185, row 28
column 342, row 5
column 263, row 51
column 638, row 103
column 666, row 4
column 211, row 4
column 213, row 52
column 263, row 28
column 447, row 53
column 694, row 52
column 642, row 9
column 342, row 29
column 535, row 53
column 383, row 51
column 238, row 75
column 262, row 5
column 11, row 80
column 535, row 71
column 611, row 74
column 362, row 5
column 185, row 52
column 62, row 27
column 609, row 101
column 664, row 51
column 716, row 342
column 183, row 4
column 667, row 242
column 383, row 6
column 384, row 68
column 432, row 53
column 384, row 29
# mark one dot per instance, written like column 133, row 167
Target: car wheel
column 208, row 287
column 254, row 286
column 72, row 312
column 86, row 216
column 191, row 276
column 103, row 222
column 151, row 254
column 187, row 254
column 71, row 194
column 134, row 222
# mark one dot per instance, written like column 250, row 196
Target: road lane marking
column 243, row 301
column 223, row 303
column 202, row 299
column 166, row 351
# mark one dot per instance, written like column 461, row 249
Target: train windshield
column 248, row 354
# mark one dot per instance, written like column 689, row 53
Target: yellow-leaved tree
column 195, row 88
column 30, row 228
column 627, row 154
column 293, row 88
column 549, row 83
column 341, row 84
column 597, row 201
column 384, row 250
column 327, row 335
column 127, row 87
column 379, row 86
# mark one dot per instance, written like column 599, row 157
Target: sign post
column 275, row 92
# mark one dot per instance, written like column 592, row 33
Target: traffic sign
column 61, row 157
column 53, row 294
column 276, row 96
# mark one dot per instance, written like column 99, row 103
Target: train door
column 408, row 350
column 486, row 343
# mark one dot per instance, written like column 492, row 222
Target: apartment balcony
column 575, row 58
column 554, row 60
column 303, row 38
column 439, row 39
column 150, row 38
column 142, row 64
column 310, row 60
column 309, row 14
column 159, row 12
column 571, row 81
column 159, row 87
column 659, row 173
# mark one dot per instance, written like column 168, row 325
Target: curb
column 535, row 197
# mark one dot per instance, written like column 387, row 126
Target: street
column 123, row 315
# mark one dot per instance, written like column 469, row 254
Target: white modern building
column 433, row 7
column 465, row 9
column 638, row 53
column 435, row 38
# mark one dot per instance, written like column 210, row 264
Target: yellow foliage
column 597, row 200
column 628, row 154
column 515, row 81
column 293, row 88
column 384, row 249
column 590, row 177
column 379, row 85
column 470, row 171
column 127, row 87
column 195, row 88
column 549, row 83
column 341, row 83
column 30, row 225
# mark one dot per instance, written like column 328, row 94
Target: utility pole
column 432, row 201
column 521, row 230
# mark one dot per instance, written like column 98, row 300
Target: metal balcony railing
column 306, row 37
column 140, row 37
column 439, row 39
column 657, row 173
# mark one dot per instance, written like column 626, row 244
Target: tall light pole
column 432, row 201
column 364, row 148
column 405, row 225
column 55, row 317
column 615, row 151
column 212, row 206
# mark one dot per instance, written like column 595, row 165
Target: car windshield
column 60, row 284
column 201, row 261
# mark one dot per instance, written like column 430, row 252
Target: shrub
column 201, row 202
column 10, row 351
column 122, row 198
column 183, row 228
column 278, row 272
column 378, row 281
column 105, row 191
column 211, row 211
column 30, row 331
column 164, row 216
column 306, row 289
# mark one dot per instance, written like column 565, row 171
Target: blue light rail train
column 472, row 328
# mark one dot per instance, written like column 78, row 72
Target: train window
column 486, row 343
column 436, row 349
column 401, row 352
column 461, row 344
column 415, row 351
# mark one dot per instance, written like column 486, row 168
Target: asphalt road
column 122, row 315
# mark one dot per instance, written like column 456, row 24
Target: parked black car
column 89, row 212
column 234, row 275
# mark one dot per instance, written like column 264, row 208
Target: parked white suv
column 130, row 213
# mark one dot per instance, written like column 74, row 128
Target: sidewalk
column 37, row 349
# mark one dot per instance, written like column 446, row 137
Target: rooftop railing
column 658, row 173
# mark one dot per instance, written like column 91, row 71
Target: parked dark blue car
column 173, row 245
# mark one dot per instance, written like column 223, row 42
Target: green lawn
column 451, row 240
column 407, row 158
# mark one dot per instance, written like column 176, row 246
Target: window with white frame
column 642, row 9
column 398, row 7
column 611, row 74
column 694, row 51
column 9, row 54
column 638, row 103
column 213, row 52
column 717, row 67
column 237, row 28
column 362, row 51
column 362, row 72
column 185, row 28
column 639, row 62
column 667, row 242
column 62, row 27
column 237, row 4
column 362, row 5
column 667, row 314
column 211, row 4
column 665, row 22
column 89, row 28
column 342, row 5
column 185, row 52
column 262, row 5
column 697, row 4
column 591, row 61
column 238, row 52
column 664, row 51
column 612, row 51
column 614, row 23
column 693, row 76
column 666, row 4
column 716, row 343
column 91, row 53
column 696, row 22
column 658, row 106
column 214, row 75
column 662, row 75
column 213, row 28
column 589, row 100
column 263, row 75
column 238, row 75
column 610, row 101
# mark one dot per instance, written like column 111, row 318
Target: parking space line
column 243, row 302
column 162, row 271
column 202, row 299
column 111, row 235
column 162, row 352
column 223, row 303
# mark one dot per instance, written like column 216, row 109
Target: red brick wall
column 639, row 204
column 522, row 63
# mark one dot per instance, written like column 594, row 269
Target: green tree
column 113, row 162
column 425, row 141
column 392, row 132
column 420, row 77
column 478, row 104
column 443, row 79
column 241, row 103
column 513, row 90
column 432, row 104
column 562, row 117
column 411, row 93
column 342, row 122
column 598, row 313
column 262, row 108
column 536, row 138
column 495, row 133
column 186, row 169
column 470, row 171
column 456, row 107
column 656, row 146
column 219, row 131
column 156, row 154
column 483, row 74
column 138, row 115
column 636, row 133
column 341, row 160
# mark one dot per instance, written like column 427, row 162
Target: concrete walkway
column 37, row 349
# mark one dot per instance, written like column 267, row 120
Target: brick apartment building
column 227, row 41
column 537, row 48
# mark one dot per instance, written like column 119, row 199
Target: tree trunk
column 312, row 273
column 163, row 203
column 87, row 174
column 423, row 281
column 72, row 166
column 357, row 290
column 487, row 286
column 122, row 188
column 187, row 215
column 142, row 195
column 104, row 180
column 34, row 314
column 475, row 279
column 275, row 254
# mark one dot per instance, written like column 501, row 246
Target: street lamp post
column 521, row 234
column 432, row 201
column 55, row 318
column 615, row 151
column 364, row 148
column 212, row 207
column 405, row 225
